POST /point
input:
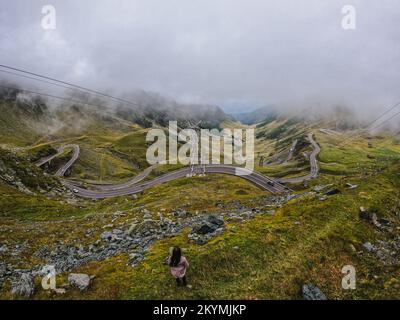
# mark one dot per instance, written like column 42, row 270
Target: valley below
column 80, row 197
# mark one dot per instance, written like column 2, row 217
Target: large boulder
column 204, row 228
column 79, row 280
column 312, row 292
column 209, row 225
column 216, row 220
column 24, row 286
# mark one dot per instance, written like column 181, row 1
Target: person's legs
column 178, row 282
column 184, row 281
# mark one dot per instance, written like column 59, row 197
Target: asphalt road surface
column 132, row 186
column 313, row 164
column 257, row 178
column 291, row 150
column 75, row 156
column 49, row 158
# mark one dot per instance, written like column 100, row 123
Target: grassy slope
column 276, row 254
column 12, row 130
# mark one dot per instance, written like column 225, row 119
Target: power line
column 366, row 128
column 374, row 128
column 381, row 124
column 36, row 79
column 81, row 88
column 53, row 96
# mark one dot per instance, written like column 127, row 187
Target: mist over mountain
column 75, row 111
column 255, row 116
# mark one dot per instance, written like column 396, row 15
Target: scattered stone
column 3, row 249
column 25, row 286
column 79, row 280
column 388, row 252
column 352, row 248
column 319, row 188
column 236, row 248
column 147, row 216
column 117, row 231
column 135, row 258
column 179, row 213
column 107, row 235
column 312, row 292
column 369, row 216
column 59, row 291
column 137, row 237
column 351, row 186
column 368, row 246
column 332, row 192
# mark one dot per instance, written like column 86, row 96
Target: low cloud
column 233, row 53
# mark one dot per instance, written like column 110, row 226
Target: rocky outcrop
column 373, row 219
column 312, row 292
column 207, row 228
column 135, row 237
column 24, row 286
column 388, row 252
column 79, row 280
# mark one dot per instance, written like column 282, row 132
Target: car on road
column 75, row 190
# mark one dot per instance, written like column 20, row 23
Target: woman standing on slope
column 178, row 264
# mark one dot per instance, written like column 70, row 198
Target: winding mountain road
column 313, row 164
column 132, row 186
column 291, row 151
column 60, row 150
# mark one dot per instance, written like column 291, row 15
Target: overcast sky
column 237, row 54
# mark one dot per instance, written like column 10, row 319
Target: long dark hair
column 175, row 257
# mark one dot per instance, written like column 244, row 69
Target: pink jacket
column 180, row 270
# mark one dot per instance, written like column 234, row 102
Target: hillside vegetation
column 268, row 246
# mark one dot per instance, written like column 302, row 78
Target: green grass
column 275, row 254
column 307, row 240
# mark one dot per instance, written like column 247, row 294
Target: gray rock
column 107, row 235
column 368, row 246
column 216, row 220
column 135, row 258
column 205, row 228
column 25, row 286
column 117, row 231
column 59, row 291
column 180, row 214
column 369, row 216
column 332, row 192
column 79, row 280
column 312, row 292
column 147, row 216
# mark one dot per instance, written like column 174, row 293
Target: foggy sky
column 237, row 54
